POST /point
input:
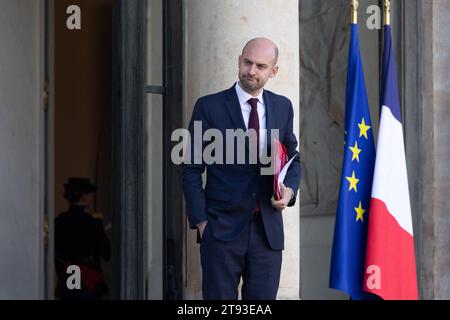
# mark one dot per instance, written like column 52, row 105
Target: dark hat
column 80, row 184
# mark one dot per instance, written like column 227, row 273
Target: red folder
column 280, row 158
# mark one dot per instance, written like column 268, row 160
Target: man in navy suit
column 239, row 222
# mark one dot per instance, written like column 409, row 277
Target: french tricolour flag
column 390, row 270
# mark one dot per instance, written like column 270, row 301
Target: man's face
column 256, row 65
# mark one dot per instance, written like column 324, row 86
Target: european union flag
column 350, row 231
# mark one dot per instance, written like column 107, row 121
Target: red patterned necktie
column 253, row 123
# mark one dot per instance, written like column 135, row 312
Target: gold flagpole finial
column 355, row 5
column 387, row 12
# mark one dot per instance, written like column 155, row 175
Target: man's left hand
column 286, row 196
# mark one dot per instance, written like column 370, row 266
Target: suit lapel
column 270, row 120
column 234, row 109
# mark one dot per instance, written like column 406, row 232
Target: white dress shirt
column 246, row 109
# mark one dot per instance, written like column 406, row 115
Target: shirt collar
column 244, row 96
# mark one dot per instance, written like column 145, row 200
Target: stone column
column 441, row 20
column 425, row 95
column 435, row 149
column 215, row 33
column 22, row 157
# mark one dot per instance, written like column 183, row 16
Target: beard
column 249, row 83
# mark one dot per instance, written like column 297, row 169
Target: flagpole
column 387, row 12
column 355, row 5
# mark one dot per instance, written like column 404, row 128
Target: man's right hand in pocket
column 201, row 227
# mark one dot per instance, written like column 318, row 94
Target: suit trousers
column 248, row 256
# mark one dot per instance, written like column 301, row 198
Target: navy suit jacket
column 229, row 197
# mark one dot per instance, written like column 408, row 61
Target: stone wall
column 324, row 45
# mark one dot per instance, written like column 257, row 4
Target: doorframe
column 129, row 99
column 128, row 148
column 49, row 145
column 174, row 219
